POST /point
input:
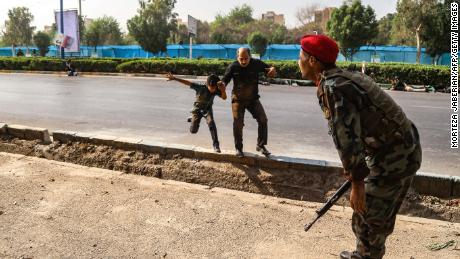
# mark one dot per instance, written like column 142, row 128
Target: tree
column 385, row 25
column 278, row 35
column 42, row 40
column 352, row 25
column 275, row 33
column 181, row 35
column 234, row 27
column 82, row 28
column 436, row 32
column 203, row 32
column 306, row 15
column 153, row 24
column 222, row 32
column 411, row 19
column 103, row 31
column 18, row 30
column 127, row 39
column 294, row 35
column 241, row 15
column 258, row 43
column 220, row 38
column 312, row 19
column 239, row 24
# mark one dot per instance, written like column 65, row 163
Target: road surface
column 156, row 110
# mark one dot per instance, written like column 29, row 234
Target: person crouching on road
column 70, row 68
column 202, row 107
column 378, row 145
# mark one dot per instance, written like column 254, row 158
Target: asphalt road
column 157, row 110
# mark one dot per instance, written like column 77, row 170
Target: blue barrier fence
column 228, row 51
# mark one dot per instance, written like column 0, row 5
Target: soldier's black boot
column 263, row 150
column 350, row 255
column 239, row 153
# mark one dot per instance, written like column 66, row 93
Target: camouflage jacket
column 363, row 120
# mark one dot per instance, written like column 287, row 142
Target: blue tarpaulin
column 228, row 51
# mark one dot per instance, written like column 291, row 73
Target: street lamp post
column 80, row 17
column 62, row 27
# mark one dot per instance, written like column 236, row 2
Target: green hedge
column 410, row 73
column 177, row 66
column 55, row 64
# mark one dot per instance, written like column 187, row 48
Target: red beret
column 321, row 47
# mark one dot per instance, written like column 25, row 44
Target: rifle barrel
column 320, row 212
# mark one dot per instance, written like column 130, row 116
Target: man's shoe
column 350, row 255
column 216, row 148
column 239, row 153
column 263, row 150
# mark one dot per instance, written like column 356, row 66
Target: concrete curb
column 2, row 128
column 29, row 133
column 250, row 159
column 160, row 76
column 442, row 186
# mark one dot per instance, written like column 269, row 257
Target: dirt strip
column 292, row 184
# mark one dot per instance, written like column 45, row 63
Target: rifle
column 329, row 203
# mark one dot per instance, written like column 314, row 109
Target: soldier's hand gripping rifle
column 329, row 203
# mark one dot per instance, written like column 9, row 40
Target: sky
column 205, row 10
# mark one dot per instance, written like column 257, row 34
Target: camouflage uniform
column 375, row 141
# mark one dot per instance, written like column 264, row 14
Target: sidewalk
column 54, row 209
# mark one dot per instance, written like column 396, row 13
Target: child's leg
column 212, row 128
column 195, row 123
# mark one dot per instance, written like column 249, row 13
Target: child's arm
column 170, row 77
column 221, row 86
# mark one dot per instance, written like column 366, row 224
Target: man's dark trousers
column 258, row 113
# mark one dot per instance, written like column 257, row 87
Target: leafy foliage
column 436, row 32
column 239, row 24
column 103, row 31
column 42, row 40
column 352, row 25
column 258, row 43
column 410, row 73
column 385, row 26
column 153, row 24
column 18, row 29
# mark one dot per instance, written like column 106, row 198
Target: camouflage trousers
column 391, row 174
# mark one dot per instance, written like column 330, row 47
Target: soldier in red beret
column 378, row 145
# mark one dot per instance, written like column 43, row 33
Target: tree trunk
column 419, row 51
column 437, row 58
